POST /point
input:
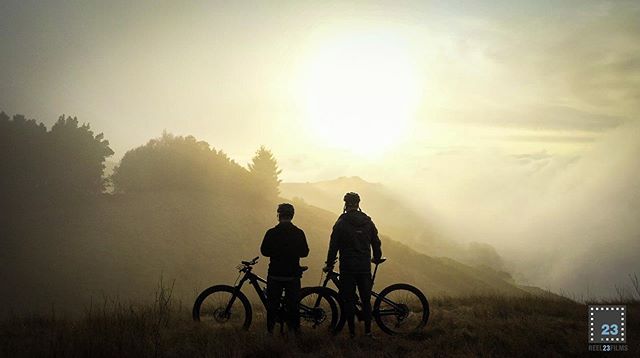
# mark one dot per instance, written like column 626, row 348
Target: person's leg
column 364, row 289
column 274, row 293
column 291, row 297
column 347, row 295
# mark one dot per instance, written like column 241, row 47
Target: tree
column 264, row 168
column 68, row 159
column 76, row 157
column 22, row 155
column 176, row 163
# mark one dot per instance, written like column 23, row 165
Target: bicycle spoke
column 388, row 312
column 401, row 311
column 220, row 308
column 316, row 311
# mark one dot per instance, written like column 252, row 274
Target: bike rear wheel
column 401, row 309
column 222, row 306
column 318, row 308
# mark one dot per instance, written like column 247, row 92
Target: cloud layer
column 564, row 223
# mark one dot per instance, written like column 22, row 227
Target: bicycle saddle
column 379, row 261
column 304, row 268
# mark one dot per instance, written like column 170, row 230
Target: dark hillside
column 121, row 244
column 181, row 210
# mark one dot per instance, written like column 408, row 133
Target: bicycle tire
column 330, row 296
column 423, row 312
column 197, row 306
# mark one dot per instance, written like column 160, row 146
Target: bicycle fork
column 237, row 288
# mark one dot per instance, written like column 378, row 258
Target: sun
column 361, row 92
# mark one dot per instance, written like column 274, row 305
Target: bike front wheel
column 318, row 308
column 401, row 309
column 223, row 306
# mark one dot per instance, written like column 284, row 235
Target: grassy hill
column 486, row 326
column 120, row 245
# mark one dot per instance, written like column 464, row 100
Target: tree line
column 69, row 160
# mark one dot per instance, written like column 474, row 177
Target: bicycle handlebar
column 329, row 267
column 252, row 262
column 326, row 269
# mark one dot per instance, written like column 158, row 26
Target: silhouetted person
column 354, row 236
column 285, row 244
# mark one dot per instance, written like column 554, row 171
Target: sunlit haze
column 512, row 123
column 361, row 91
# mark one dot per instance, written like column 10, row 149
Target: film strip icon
column 607, row 324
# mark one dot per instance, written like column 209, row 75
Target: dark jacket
column 285, row 244
column 354, row 236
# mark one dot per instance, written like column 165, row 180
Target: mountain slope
column 120, row 245
column 393, row 217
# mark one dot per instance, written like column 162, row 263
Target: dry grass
column 487, row 326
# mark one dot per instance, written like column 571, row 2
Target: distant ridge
column 393, row 217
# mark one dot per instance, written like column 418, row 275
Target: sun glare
column 361, row 93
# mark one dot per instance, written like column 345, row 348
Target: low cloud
column 548, row 138
column 537, row 117
column 565, row 223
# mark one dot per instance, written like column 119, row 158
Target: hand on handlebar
column 328, row 266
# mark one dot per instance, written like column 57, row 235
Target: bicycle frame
column 335, row 278
column 255, row 281
column 223, row 311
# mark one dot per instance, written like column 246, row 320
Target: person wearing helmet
column 354, row 237
column 284, row 244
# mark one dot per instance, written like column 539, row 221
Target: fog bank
column 567, row 223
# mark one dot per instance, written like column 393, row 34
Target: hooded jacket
column 354, row 236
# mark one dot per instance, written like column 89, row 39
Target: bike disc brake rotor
column 220, row 315
column 403, row 313
column 317, row 316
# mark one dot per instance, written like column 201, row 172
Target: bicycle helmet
column 351, row 198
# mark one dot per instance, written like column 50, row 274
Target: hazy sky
column 479, row 111
column 518, row 76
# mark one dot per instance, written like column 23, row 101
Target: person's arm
column 376, row 244
column 266, row 248
column 333, row 246
column 304, row 247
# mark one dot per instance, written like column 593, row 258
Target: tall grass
column 474, row 325
column 630, row 292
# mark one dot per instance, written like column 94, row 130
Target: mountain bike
column 398, row 309
column 226, row 305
